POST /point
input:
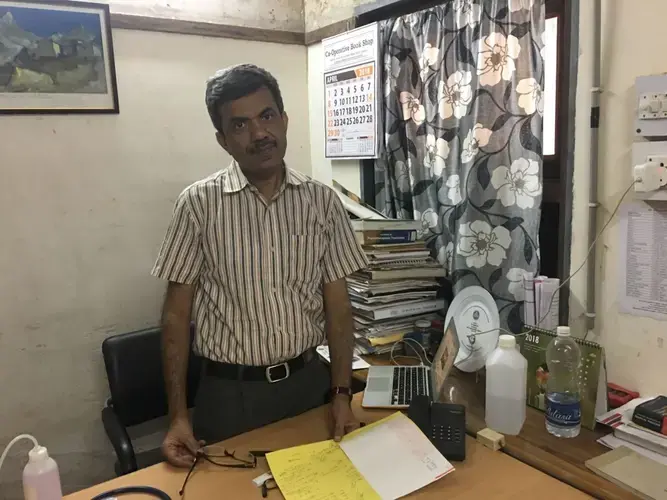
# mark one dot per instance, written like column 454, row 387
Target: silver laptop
column 395, row 386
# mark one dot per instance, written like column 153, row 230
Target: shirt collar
column 235, row 180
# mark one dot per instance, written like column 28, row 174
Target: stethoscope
column 127, row 490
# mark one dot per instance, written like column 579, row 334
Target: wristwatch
column 341, row 390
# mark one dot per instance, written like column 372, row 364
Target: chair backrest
column 133, row 363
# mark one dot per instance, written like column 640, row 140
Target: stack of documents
column 385, row 460
column 409, row 259
column 541, row 301
column 386, row 309
column 626, row 433
column 399, row 285
column 378, row 337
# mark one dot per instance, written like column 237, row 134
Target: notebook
column 592, row 374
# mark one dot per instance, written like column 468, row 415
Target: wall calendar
column 350, row 93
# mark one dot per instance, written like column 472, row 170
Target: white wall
column 84, row 203
column 635, row 346
column 284, row 15
column 320, row 13
column 346, row 172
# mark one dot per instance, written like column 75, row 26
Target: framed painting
column 56, row 57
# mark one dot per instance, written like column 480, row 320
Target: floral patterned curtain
column 462, row 140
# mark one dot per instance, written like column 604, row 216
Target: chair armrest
column 120, row 440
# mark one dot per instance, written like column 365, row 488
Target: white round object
column 474, row 311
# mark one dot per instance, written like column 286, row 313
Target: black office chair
column 133, row 363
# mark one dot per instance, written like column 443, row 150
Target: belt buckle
column 270, row 378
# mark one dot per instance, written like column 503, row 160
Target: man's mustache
column 255, row 147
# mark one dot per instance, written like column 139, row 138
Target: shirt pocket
column 302, row 260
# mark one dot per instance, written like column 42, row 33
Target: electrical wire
column 427, row 361
column 590, row 248
column 422, row 361
column 567, row 280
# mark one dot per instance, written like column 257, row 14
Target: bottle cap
column 507, row 341
column 563, row 331
column 423, row 323
column 37, row 454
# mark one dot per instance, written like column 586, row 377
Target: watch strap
column 341, row 390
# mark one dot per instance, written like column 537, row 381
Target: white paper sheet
column 547, row 315
column 612, row 442
column 643, row 260
column 357, row 362
column 396, row 458
column 529, row 297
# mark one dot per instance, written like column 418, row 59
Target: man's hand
column 179, row 445
column 343, row 420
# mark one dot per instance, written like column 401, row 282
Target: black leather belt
column 271, row 374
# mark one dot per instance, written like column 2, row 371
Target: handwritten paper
column 318, row 471
column 385, row 460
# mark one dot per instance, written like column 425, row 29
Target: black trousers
column 225, row 408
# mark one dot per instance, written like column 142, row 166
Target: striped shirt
column 258, row 267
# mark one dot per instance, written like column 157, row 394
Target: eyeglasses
column 268, row 485
column 228, row 459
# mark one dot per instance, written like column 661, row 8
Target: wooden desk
column 562, row 459
column 485, row 474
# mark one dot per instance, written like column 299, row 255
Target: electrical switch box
column 651, row 109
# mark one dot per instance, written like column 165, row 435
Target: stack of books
column 397, row 288
column 640, row 425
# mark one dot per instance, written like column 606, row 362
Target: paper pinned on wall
column 643, row 263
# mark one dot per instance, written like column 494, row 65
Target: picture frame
column 56, row 56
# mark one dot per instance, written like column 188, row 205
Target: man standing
column 256, row 255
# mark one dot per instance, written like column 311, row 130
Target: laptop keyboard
column 409, row 381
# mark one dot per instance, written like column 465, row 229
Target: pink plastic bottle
column 41, row 479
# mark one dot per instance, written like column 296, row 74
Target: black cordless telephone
column 443, row 423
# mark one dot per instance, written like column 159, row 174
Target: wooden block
column 491, row 439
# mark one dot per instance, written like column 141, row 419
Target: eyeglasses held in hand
column 228, row 459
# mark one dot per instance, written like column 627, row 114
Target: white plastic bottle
column 41, row 480
column 563, row 408
column 506, row 388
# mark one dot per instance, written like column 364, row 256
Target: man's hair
column 235, row 82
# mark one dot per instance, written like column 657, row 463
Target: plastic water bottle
column 563, row 405
column 41, row 480
column 506, row 388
